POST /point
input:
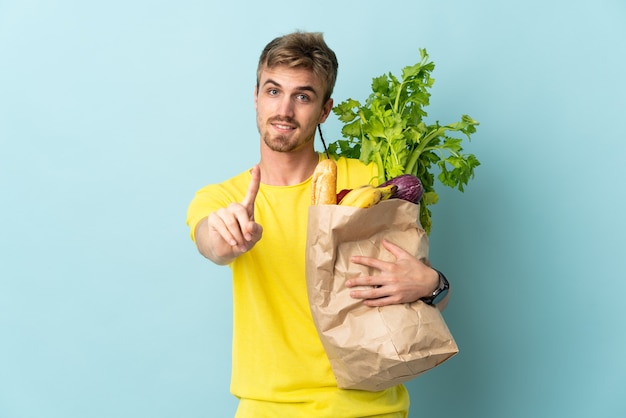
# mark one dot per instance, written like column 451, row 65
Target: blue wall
column 113, row 114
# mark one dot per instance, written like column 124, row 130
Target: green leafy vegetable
column 389, row 130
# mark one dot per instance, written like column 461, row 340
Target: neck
column 287, row 168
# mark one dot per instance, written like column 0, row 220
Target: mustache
column 283, row 119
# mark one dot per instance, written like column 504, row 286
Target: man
column 256, row 223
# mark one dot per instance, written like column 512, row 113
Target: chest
column 283, row 214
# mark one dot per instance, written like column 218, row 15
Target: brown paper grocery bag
column 370, row 348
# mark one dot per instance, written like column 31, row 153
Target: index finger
column 397, row 251
column 253, row 190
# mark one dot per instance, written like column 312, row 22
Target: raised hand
column 232, row 230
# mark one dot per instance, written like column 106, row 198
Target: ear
column 326, row 109
column 256, row 95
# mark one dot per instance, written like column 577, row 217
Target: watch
column 440, row 292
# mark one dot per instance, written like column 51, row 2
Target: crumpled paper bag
column 370, row 348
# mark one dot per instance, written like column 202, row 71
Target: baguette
column 324, row 183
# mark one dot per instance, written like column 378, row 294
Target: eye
column 272, row 91
column 303, row 97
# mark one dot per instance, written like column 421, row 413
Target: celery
column 389, row 130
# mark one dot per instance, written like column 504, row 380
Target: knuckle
column 233, row 207
column 216, row 215
column 232, row 225
column 366, row 281
column 394, row 268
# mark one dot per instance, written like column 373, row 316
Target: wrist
column 435, row 282
column 440, row 292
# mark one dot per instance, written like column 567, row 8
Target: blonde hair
column 304, row 50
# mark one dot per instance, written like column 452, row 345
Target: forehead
column 289, row 77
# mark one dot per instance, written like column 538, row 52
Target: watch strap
column 440, row 292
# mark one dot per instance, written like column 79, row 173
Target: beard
column 284, row 143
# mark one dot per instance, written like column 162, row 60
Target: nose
column 286, row 107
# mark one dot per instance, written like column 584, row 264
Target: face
column 289, row 106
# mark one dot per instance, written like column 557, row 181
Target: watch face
column 440, row 296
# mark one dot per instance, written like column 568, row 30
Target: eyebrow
column 300, row 88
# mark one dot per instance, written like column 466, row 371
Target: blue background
column 112, row 115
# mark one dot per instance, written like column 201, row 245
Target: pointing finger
column 253, row 190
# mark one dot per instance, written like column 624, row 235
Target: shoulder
column 231, row 190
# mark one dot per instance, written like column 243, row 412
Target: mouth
column 283, row 125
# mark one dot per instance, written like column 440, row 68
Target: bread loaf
column 324, row 183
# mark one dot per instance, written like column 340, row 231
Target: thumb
column 253, row 190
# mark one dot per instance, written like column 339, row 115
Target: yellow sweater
column 279, row 365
